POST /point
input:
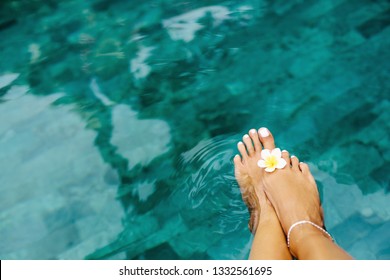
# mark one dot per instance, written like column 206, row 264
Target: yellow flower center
column 271, row 161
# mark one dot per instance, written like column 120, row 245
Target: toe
column 266, row 138
column 249, row 145
column 242, row 150
column 286, row 157
column 304, row 167
column 294, row 163
column 256, row 141
column 237, row 160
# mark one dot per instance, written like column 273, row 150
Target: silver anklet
column 305, row 222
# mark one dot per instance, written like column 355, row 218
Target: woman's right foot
column 292, row 191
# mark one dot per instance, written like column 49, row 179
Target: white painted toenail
column 253, row 131
column 240, row 143
column 264, row 132
column 293, row 156
column 246, row 136
column 284, row 151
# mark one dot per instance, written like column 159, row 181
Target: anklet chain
column 305, row 222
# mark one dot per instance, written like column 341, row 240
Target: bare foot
column 287, row 194
column 292, row 191
column 249, row 178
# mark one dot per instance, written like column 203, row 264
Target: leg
column 269, row 239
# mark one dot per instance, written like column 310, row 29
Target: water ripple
column 210, row 185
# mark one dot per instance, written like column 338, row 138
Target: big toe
column 266, row 138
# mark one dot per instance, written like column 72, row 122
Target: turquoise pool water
column 119, row 121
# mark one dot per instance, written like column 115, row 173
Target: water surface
column 119, row 121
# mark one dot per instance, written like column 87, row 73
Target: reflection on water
column 118, row 122
column 56, row 201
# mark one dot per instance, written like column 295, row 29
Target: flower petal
column 281, row 163
column 269, row 169
column 261, row 163
column 276, row 152
column 265, row 153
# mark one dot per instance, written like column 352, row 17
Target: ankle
column 268, row 215
column 303, row 234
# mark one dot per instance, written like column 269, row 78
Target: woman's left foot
column 249, row 178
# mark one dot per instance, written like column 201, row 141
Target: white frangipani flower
column 271, row 160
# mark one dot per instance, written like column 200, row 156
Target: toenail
column 246, row 136
column 264, row 132
column 284, row 151
column 292, row 156
column 240, row 143
column 253, row 131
